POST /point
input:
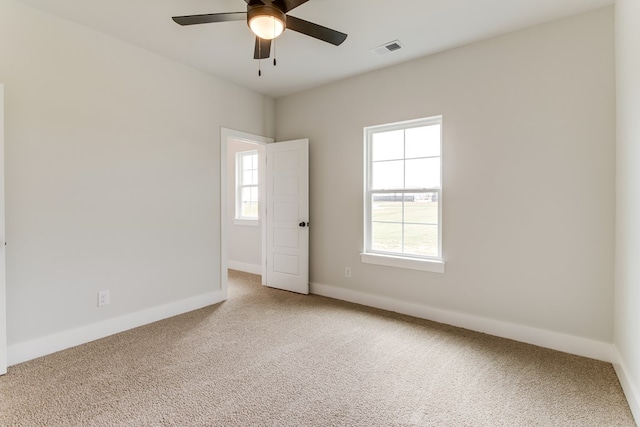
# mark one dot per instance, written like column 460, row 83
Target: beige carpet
column 273, row 358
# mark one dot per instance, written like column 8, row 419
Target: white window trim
column 240, row 220
column 431, row 265
column 369, row 256
column 247, row 222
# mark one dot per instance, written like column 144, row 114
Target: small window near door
column 247, row 185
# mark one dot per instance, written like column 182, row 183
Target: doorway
column 284, row 195
column 242, row 240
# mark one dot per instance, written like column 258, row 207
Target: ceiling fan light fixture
column 266, row 22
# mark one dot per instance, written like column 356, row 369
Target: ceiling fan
column 267, row 20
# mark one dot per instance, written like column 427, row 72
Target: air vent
column 387, row 48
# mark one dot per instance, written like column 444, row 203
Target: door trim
column 225, row 136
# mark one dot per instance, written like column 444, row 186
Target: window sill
column 248, row 222
column 401, row 262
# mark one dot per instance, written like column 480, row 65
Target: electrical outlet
column 347, row 272
column 103, row 298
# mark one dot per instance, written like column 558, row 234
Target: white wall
column 528, row 179
column 244, row 243
column 3, row 294
column 112, row 178
column 627, row 299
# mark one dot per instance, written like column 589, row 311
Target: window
column 403, row 193
column 247, row 185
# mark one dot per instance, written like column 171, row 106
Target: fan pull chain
column 274, row 52
column 274, row 44
column 259, row 58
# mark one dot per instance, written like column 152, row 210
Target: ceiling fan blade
column 262, row 49
column 210, row 17
column 287, row 5
column 316, row 31
column 253, row 2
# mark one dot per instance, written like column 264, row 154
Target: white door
column 287, row 240
column 3, row 295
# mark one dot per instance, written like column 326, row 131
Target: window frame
column 397, row 259
column 239, row 218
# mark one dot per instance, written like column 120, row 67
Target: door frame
column 227, row 135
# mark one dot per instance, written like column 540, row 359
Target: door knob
column 304, row 224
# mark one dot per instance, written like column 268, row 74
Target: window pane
column 421, row 239
column 247, row 178
column 245, row 196
column 423, row 173
column 249, row 162
column 387, row 145
column 423, row 142
column 386, row 237
column 387, row 175
column 386, row 208
column 423, row 209
column 246, row 162
column 250, row 210
column 249, row 202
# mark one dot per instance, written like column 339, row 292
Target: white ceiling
column 226, row 49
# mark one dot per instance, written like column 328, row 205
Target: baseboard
column 243, row 266
column 543, row 338
column 22, row 352
column 631, row 390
